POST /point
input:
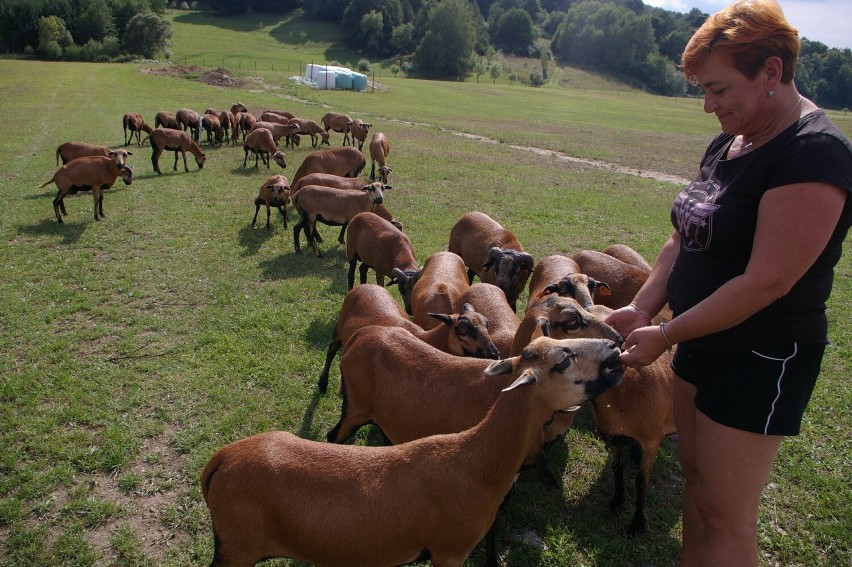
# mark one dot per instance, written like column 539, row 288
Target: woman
column 746, row 272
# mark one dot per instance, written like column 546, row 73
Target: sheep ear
column 544, row 325
column 552, row 288
column 528, row 378
column 603, row 289
column 467, row 308
column 499, row 367
column 386, row 187
column 446, row 319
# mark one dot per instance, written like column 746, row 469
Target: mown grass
column 134, row 347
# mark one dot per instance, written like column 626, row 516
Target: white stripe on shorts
column 777, row 383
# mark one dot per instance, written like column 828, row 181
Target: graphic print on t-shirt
column 693, row 210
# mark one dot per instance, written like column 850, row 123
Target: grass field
column 134, row 347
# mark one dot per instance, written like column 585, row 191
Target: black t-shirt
column 716, row 216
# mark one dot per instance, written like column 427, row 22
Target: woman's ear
column 773, row 68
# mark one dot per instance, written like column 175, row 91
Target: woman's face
column 731, row 96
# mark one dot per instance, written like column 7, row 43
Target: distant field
column 136, row 346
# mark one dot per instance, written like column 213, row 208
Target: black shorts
column 764, row 391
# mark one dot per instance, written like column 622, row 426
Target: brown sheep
column 312, row 129
column 379, row 150
column 261, row 143
column 236, row 110
column 190, row 120
column 561, row 275
column 275, row 494
column 493, row 253
column 284, row 113
column 73, row 150
column 211, row 124
column 177, row 141
column 274, row 192
column 165, row 119
column 359, row 130
column 246, row 121
column 344, row 162
column 441, row 284
column 88, row 173
column 226, row 121
column 377, row 244
column 278, row 130
column 623, row 279
column 337, row 122
column 135, row 124
column 490, row 300
column 464, row 333
column 627, row 254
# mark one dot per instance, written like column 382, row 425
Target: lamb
column 379, row 150
column 490, row 300
column 344, row 162
column 359, row 130
column 561, row 275
column 177, row 141
column 135, row 123
column 484, row 244
column 623, row 279
column 312, row 129
column 335, row 121
column 190, row 120
column 274, row 192
column 166, row 120
column 441, row 284
column 278, row 130
column 275, row 494
column 261, row 143
column 73, row 150
column 465, row 333
column 88, row 173
column 378, row 244
column 332, row 206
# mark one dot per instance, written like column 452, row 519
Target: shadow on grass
column 69, row 232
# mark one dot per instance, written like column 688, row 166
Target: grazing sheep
column 73, row 150
column 441, row 283
column 493, row 253
column 166, row 120
column 135, row 124
column 286, row 114
column 344, row 162
column 464, row 333
column 332, row 206
column 274, row 494
column 261, row 143
column 623, row 279
column 211, row 124
column 377, row 244
column 278, row 130
column 236, row 110
column 88, row 173
column 274, row 192
column 337, row 122
column 190, row 120
column 330, row 180
column 312, row 129
column 177, row 141
column 561, row 275
column 503, row 323
column 246, row 121
column 226, row 121
column 379, row 150
column 359, row 130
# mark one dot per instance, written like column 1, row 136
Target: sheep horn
column 526, row 261
column 493, row 256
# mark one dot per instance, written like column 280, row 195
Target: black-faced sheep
column 134, row 123
column 379, row 150
column 462, row 333
column 561, row 275
column 490, row 300
column 73, row 150
column 441, row 283
column 493, row 253
column 337, row 122
column 275, row 494
column 332, row 206
column 359, row 130
column 343, row 162
column 179, row 142
column 88, row 173
column 261, row 143
column 274, row 192
column 377, row 244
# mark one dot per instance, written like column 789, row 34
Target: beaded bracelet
column 641, row 311
column 663, row 331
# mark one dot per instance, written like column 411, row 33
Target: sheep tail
column 145, row 139
column 48, row 182
column 57, row 154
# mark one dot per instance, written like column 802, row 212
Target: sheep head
column 278, row 157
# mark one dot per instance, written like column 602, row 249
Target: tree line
column 445, row 39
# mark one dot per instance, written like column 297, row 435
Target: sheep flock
column 464, row 387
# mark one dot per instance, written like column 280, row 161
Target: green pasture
column 134, row 347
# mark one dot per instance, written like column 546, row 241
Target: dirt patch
column 220, row 77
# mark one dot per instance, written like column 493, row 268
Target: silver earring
column 770, row 94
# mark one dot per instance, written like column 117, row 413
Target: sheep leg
column 185, row 166
column 470, row 274
column 155, row 159
column 245, row 159
column 59, row 204
column 617, row 502
column 364, row 269
column 283, row 212
column 351, row 277
column 312, row 228
column 643, row 479
column 296, row 229
column 544, row 471
column 340, row 238
column 268, row 214
column 372, row 171
column 332, row 350
column 98, row 198
column 347, row 425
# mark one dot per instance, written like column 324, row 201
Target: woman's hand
column 643, row 346
column 626, row 319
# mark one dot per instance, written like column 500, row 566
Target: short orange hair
column 748, row 32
